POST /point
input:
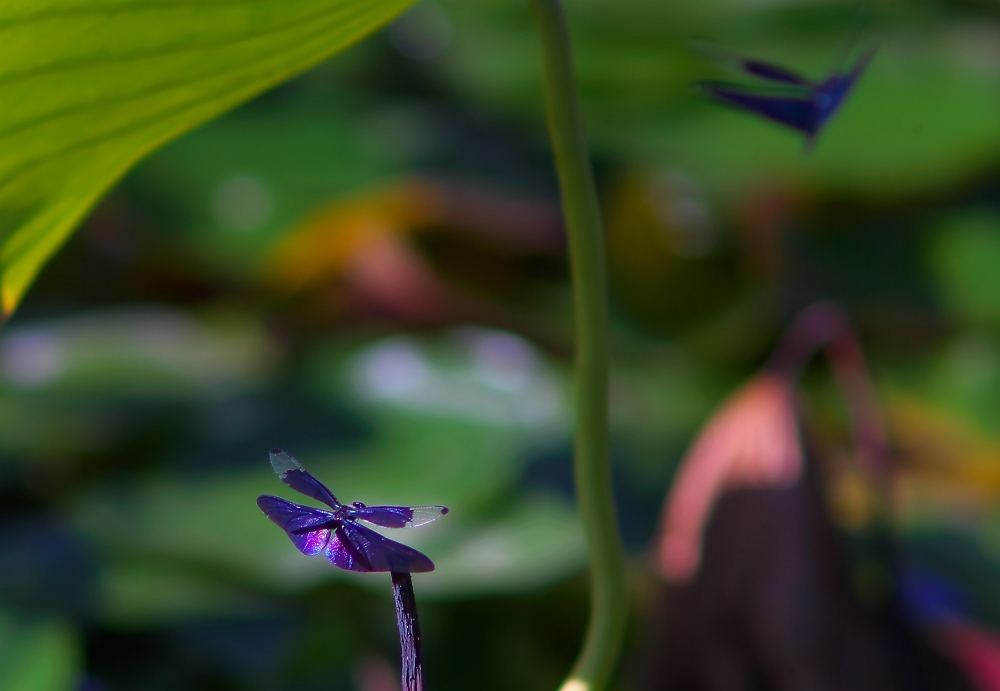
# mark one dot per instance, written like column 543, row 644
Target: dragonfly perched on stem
column 337, row 533
column 791, row 99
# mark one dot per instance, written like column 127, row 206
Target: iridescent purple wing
column 399, row 516
column 356, row 548
column 295, row 476
column 834, row 89
column 774, row 73
column 797, row 112
column 297, row 520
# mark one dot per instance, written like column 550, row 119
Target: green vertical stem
column 582, row 217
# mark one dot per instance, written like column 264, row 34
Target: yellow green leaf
column 89, row 87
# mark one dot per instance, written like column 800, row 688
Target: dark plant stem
column 409, row 632
column 825, row 325
column 609, row 601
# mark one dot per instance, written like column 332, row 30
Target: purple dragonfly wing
column 798, row 112
column 399, row 516
column 297, row 521
column 356, row 548
column 774, row 73
column 862, row 63
column 835, row 89
column 751, row 66
column 295, row 476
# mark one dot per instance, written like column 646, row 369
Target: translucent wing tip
column 422, row 515
column 283, row 462
column 862, row 63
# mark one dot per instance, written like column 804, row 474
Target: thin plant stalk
column 825, row 325
column 581, row 214
column 409, row 632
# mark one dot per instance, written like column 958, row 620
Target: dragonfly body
column 797, row 102
column 336, row 532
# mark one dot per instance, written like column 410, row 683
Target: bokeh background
column 366, row 267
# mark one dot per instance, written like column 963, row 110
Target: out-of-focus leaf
column 474, row 374
column 149, row 595
column 958, row 392
column 92, row 87
column 452, row 419
column 215, row 522
column 658, row 403
column 45, row 428
column 950, row 461
column 965, row 254
column 37, row 656
column 229, row 188
column 663, row 252
column 139, row 353
column 924, row 116
column 538, row 541
column 320, row 248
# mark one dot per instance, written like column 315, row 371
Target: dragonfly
column 791, row 99
column 336, row 532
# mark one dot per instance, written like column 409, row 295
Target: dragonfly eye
column 359, row 505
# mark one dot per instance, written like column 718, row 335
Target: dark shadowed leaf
column 37, row 656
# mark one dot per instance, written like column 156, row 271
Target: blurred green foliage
column 966, row 254
column 42, row 656
column 158, row 359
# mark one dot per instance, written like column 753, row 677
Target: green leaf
column 964, row 255
column 137, row 594
column 214, row 521
column 537, row 541
column 490, row 541
column 287, row 160
column 920, row 119
column 39, row 656
column 142, row 352
column 90, row 87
